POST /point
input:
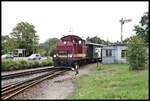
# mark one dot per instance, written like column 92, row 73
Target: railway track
column 10, row 90
column 12, row 75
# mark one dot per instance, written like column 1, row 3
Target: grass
column 112, row 81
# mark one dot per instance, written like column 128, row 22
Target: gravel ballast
column 57, row 88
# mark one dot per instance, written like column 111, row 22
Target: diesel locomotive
column 73, row 51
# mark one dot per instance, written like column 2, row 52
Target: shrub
column 9, row 64
column 5, row 64
column 24, row 64
column 30, row 64
column 136, row 53
column 46, row 63
column 35, row 64
column 16, row 65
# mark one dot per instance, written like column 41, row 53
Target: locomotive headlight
column 70, row 56
column 65, row 42
column 54, row 56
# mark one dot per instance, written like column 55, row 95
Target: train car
column 73, row 51
column 94, row 52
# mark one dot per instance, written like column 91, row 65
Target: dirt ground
column 57, row 88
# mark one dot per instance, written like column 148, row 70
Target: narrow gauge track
column 11, row 90
column 8, row 76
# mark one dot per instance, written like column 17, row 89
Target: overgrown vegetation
column 9, row 64
column 112, row 81
column 136, row 53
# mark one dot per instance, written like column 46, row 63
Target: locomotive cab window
column 74, row 41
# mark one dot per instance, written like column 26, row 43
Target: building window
column 123, row 53
column 108, row 52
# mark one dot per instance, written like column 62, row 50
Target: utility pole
column 122, row 22
column 33, row 43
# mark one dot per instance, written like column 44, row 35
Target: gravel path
column 58, row 88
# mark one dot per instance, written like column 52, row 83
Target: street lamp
column 122, row 22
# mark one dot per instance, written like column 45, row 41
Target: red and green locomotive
column 73, row 51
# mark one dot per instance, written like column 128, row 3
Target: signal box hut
column 114, row 53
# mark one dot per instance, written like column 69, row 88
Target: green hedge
column 9, row 64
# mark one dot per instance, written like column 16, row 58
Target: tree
column 4, row 44
column 42, row 52
column 53, row 50
column 8, row 44
column 126, row 40
column 98, row 40
column 24, row 34
column 142, row 30
column 50, row 46
column 136, row 53
column 117, row 42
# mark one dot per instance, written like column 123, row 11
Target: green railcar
column 94, row 51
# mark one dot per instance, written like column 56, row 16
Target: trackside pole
column 75, row 68
column 97, row 62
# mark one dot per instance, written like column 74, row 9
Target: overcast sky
column 55, row 19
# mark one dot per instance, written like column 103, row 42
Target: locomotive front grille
column 63, row 53
column 63, row 62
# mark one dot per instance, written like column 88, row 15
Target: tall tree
column 50, row 46
column 98, row 40
column 24, row 34
column 142, row 29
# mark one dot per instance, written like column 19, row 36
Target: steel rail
column 11, row 91
column 7, row 76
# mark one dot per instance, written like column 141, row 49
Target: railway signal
column 122, row 22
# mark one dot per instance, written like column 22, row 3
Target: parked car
column 34, row 57
column 16, row 55
column 7, row 56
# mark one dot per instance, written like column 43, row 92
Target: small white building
column 114, row 53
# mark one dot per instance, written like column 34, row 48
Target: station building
column 116, row 53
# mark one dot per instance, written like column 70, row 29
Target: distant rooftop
column 96, row 44
column 124, row 44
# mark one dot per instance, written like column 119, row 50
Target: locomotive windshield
column 66, row 40
column 74, row 41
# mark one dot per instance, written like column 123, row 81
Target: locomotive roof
column 72, row 36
